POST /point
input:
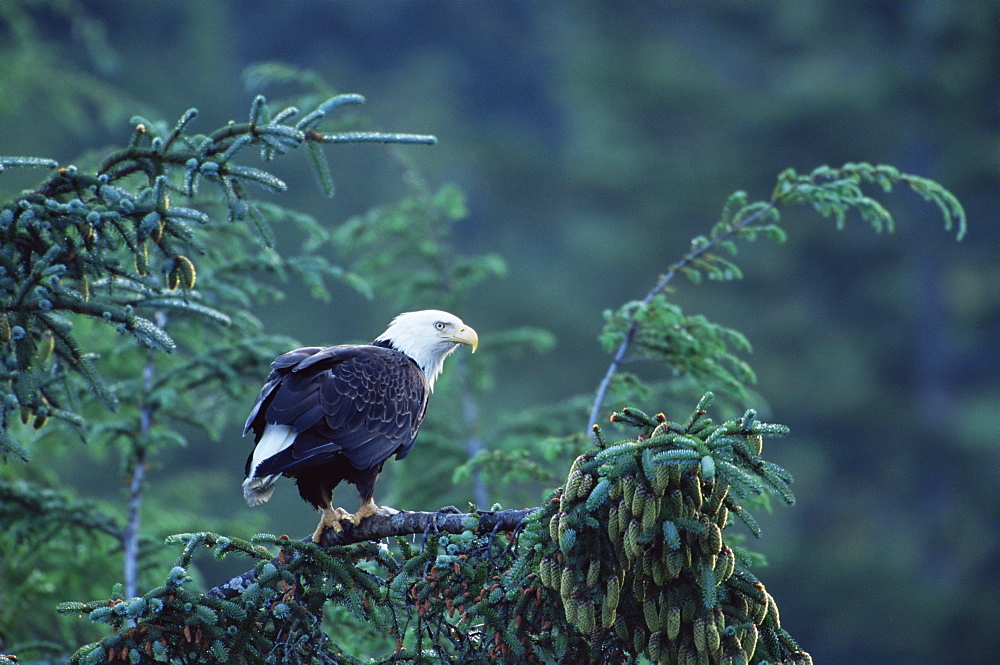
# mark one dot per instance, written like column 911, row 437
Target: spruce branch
column 404, row 523
column 700, row 250
column 632, row 558
column 26, row 162
column 832, row 192
column 373, row 137
column 113, row 246
column 26, row 506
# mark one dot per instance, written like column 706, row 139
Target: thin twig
column 622, row 351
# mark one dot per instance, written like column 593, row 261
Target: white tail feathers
column 274, row 439
column 258, row 490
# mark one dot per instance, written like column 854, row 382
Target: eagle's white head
column 428, row 336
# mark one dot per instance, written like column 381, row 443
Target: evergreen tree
column 128, row 318
column 634, row 556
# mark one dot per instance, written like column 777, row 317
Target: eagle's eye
column 440, row 325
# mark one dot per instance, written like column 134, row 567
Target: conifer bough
column 632, row 558
column 653, row 329
column 118, row 244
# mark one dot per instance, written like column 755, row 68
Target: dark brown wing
column 363, row 402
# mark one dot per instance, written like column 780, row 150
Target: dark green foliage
column 632, row 557
column 408, row 249
column 172, row 623
column 115, row 246
column 32, row 515
column 128, row 293
column 696, row 349
column 422, row 597
column 835, row 192
column 688, row 345
column 596, row 135
column 638, row 549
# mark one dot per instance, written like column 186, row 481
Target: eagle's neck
column 429, row 357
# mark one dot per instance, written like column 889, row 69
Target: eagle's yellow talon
column 368, row 509
column 331, row 518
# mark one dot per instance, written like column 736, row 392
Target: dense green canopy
column 592, row 142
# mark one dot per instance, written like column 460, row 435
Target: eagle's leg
column 367, row 509
column 330, row 517
column 366, row 487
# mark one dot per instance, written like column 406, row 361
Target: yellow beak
column 466, row 335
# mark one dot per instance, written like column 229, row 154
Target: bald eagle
column 327, row 415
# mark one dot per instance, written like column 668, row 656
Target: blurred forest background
column 592, row 141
